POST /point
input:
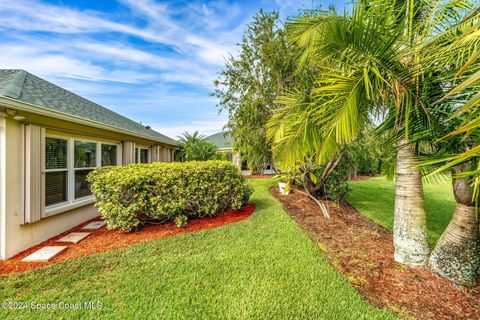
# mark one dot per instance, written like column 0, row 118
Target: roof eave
column 27, row 107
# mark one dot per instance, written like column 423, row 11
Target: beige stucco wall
column 15, row 237
column 3, row 171
column 19, row 237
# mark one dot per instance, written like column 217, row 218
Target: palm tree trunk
column 456, row 256
column 409, row 231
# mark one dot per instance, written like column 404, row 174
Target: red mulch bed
column 102, row 240
column 363, row 252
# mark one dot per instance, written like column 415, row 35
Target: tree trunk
column 456, row 256
column 409, row 231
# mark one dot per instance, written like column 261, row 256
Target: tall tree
column 456, row 255
column 372, row 63
column 458, row 52
column 250, row 82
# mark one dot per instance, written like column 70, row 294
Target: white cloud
column 203, row 127
column 88, row 52
column 35, row 16
column 211, row 48
column 182, row 70
column 199, row 59
column 41, row 60
column 153, row 10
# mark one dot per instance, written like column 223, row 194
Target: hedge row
column 131, row 195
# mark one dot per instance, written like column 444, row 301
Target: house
column 50, row 139
column 224, row 142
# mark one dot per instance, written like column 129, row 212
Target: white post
column 128, row 149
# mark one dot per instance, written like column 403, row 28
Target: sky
column 151, row 61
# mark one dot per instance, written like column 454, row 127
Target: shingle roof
column 222, row 140
column 26, row 87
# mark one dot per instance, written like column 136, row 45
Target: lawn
column 375, row 199
column 264, row 267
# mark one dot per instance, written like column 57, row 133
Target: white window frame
column 72, row 203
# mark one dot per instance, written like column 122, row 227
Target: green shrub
column 181, row 221
column 224, row 155
column 336, row 185
column 130, row 195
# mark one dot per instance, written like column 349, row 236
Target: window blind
column 56, row 171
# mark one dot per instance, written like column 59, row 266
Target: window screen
column 56, row 153
column 109, row 155
column 56, row 175
column 85, row 154
column 82, row 187
column 55, row 187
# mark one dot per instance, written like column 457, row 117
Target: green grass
column 374, row 198
column 264, row 267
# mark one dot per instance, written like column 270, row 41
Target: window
column 109, row 155
column 141, row 155
column 56, row 171
column 85, row 154
column 68, row 161
column 85, row 161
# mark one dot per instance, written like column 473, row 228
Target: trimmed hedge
column 130, row 195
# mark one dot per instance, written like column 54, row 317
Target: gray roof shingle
column 223, row 140
column 26, row 87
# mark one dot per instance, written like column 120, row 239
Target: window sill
column 53, row 210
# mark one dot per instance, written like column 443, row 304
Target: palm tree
column 371, row 67
column 195, row 147
column 459, row 52
column 456, row 255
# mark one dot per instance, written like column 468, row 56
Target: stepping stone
column 44, row 254
column 94, row 225
column 74, row 237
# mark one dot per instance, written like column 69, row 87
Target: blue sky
column 152, row 61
